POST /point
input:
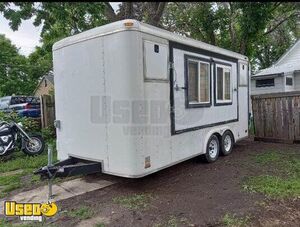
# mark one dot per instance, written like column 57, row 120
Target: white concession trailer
column 135, row 99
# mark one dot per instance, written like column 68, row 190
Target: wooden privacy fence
column 47, row 111
column 277, row 117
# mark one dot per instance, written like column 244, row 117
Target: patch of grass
column 268, row 157
column 10, row 181
column 287, row 163
column 81, row 213
column 135, row 201
column 285, row 179
column 5, row 223
column 173, row 221
column 274, row 186
column 100, row 225
column 231, row 220
column 25, row 162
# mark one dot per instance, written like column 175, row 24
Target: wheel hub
column 213, row 149
column 33, row 145
column 227, row 143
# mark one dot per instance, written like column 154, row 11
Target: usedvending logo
column 29, row 211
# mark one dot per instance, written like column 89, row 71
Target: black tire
column 30, row 152
column 209, row 156
column 225, row 150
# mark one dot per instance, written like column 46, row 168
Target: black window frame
column 290, row 79
column 189, row 105
column 216, row 103
column 266, row 84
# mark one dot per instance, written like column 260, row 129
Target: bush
column 30, row 124
column 49, row 134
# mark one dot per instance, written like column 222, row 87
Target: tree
column 62, row 19
column 15, row 77
column 72, row 18
column 244, row 27
column 149, row 12
column 249, row 28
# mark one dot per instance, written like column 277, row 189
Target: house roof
column 49, row 76
column 288, row 62
column 145, row 28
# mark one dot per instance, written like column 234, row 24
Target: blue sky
column 27, row 37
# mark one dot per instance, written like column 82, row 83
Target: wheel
column 212, row 149
column 35, row 146
column 227, row 142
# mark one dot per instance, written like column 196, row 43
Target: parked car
column 25, row 106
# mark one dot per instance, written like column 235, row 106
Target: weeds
column 233, row 221
column 81, row 213
column 173, row 221
column 134, row 202
column 100, row 225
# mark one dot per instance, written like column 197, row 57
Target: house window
column 223, row 84
column 45, row 83
column 289, row 81
column 198, row 82
column 265, row 83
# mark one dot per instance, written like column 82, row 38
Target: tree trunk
column 151, row 12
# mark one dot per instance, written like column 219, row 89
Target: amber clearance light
column 128, row 24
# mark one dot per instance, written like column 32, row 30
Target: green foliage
column 15, row 77
column 58, row 20
column 67, row 16
column 29, row 124
column 135, row 201
column 49, row 134
column 81, row 213
column 260, row 30
column 233, row 221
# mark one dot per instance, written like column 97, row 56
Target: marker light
column 128, row 24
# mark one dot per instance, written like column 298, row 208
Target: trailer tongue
column 69, row 167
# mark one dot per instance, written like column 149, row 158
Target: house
column 282, row 76
column 46, row 85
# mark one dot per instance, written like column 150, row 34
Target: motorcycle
column 12, row 135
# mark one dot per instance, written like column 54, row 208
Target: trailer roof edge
column 134, row 25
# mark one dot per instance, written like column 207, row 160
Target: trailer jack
column 69, row 167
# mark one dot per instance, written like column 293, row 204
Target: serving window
column 223, row 84
column 197, row 82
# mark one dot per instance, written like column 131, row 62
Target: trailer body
column 121, row 96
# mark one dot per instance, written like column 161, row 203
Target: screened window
column 289, row 81
column 223, row 84
column 265, row 83
column 198, row 77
